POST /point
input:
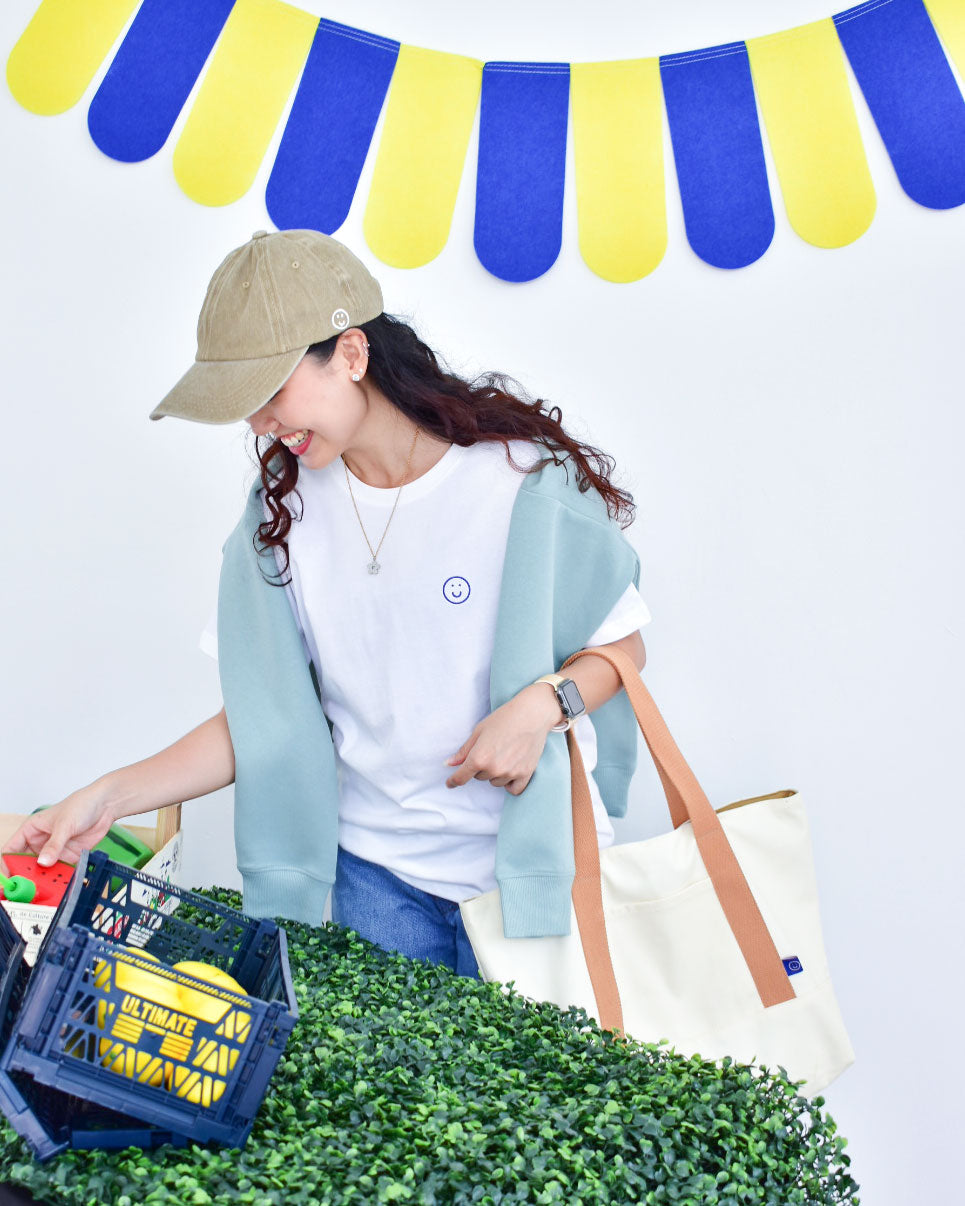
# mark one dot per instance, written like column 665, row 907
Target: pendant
column 374, row 567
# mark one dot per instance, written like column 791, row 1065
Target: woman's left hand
column 506, row 745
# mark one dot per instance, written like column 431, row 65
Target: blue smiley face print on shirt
column 456, row 590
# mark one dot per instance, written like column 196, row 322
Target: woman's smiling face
column 318, row 410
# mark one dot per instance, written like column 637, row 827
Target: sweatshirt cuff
column 614, row 785
column 536, row 906
column 294, row 895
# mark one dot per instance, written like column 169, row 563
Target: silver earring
column 356, row 377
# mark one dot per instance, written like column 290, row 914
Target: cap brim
column 224, row 391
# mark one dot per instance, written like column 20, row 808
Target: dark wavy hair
column 408, row 373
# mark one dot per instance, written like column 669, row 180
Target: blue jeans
column 396, row 916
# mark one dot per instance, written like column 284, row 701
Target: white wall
column 791, row 431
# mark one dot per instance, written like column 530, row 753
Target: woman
column 418, row 558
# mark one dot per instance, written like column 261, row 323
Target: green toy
column 120, row 845
column 18, row 889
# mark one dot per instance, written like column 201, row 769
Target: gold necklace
column 374, row 566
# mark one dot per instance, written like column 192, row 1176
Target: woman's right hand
column 76, row 824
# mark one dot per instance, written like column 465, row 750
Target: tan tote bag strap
column 733, row 892
column 588, row 897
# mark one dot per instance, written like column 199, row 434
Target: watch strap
column 554, row 681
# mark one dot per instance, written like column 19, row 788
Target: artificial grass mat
column 403, row 1082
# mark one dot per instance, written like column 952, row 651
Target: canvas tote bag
column 708, row 936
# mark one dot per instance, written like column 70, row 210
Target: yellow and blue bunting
column 616, row 111
column 415, row 181
column 801, row 84
column 246, row 62
column 253, row 69
column 913, row 97
column 718, row 153
column 59, row 52
column 522, row 163
column 330, row 128
column 948, row 17
column 152, row 74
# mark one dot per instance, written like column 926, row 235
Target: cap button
column 260, row 234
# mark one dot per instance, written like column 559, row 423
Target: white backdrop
column 791, row 432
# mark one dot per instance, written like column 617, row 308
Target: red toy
column 52, row 882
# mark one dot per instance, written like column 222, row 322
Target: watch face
column 572, row 699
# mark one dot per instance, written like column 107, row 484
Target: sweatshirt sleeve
column 566, row 567
column 286, row 785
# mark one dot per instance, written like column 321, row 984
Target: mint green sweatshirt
column 567, row 563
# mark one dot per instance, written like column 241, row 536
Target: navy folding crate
column 15, row 973
column 111, row 1047
column 52, row 1120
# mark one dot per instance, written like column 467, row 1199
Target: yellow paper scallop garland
column 261, row 57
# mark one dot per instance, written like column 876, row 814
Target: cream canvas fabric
column 680, row 971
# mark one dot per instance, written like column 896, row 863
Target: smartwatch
column 569, row 698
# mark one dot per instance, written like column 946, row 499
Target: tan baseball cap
column 267, row 303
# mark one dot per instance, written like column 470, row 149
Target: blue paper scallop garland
column 891, row 45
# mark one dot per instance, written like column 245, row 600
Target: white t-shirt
column 403, row 656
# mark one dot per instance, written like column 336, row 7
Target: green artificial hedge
column 403, row 1082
